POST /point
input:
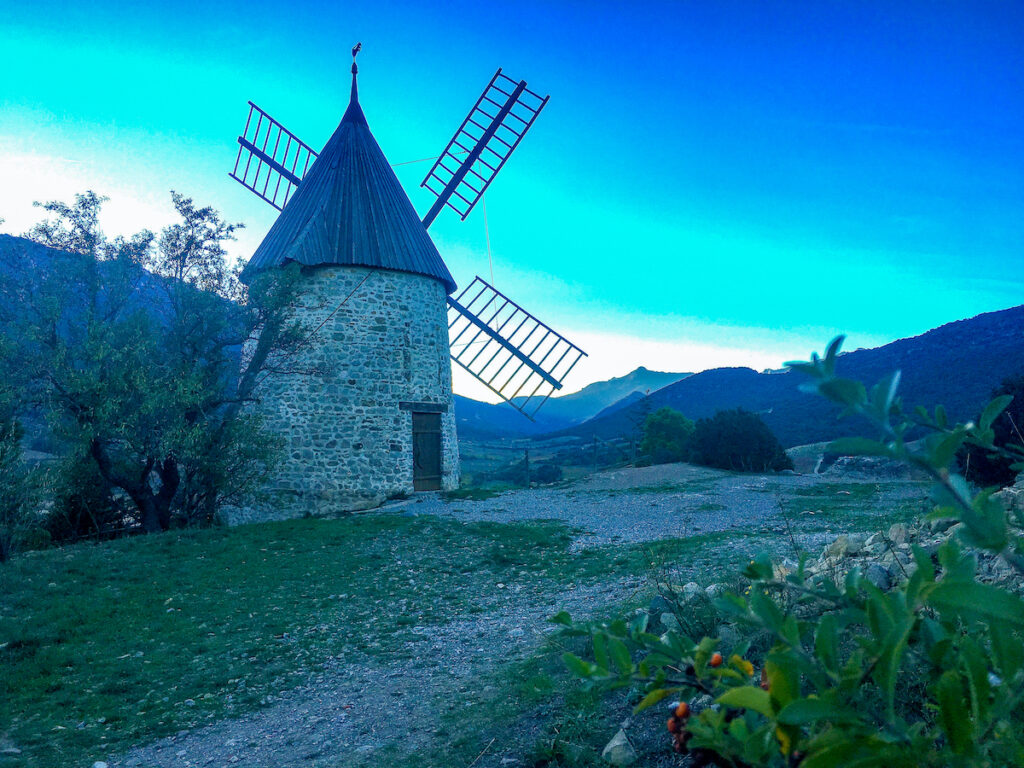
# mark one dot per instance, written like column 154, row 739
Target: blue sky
column 712, row 183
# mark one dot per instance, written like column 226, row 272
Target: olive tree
column 132, row 349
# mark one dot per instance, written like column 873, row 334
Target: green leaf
column 976, row 669
column 826, row 642
column 562, row 617
column 767, row 611
column 747, row 697
column 760, row 568
column 992, row 410
column 943, row 452
column 653, row 698
column 845, row 391
column 620, row 655
column 971, row 599
column 601, row 650
column 953, row 712
column 783, row 678
column 803, row 711
column 577, row 666
column 639, row 623
column 1007, row 649
column 832, row 353
column 798, row 365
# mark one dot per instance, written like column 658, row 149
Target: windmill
column 505, row 347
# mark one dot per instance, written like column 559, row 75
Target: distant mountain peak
column 564, row 410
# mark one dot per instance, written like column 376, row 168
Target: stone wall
column 348, row 443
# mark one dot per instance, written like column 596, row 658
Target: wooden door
column 426, row 451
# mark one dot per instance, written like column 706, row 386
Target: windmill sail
column 485, row 140
column 511, row 352
column 281, row 158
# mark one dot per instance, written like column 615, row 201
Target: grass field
column 112, row 644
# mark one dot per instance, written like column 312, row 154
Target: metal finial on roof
column 354, row 111
column 355, row 70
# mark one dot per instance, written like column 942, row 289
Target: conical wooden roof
column 351, row 209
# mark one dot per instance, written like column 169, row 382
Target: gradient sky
column 712, row 183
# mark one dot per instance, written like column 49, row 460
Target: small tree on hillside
column 133, row 348
column 668, row 436
column 738, row 440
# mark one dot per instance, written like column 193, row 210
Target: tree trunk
column 154, row 508
column 170, row 479
column 150, row 515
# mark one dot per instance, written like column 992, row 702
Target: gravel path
column 634, row 505
column 356, row 711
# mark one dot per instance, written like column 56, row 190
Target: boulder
column 838, row 548
column 714, row 591
column 659, row 604
column 669, row 621
column 880, row 576
column 691, row 590
column 619, row 751
column 855, row 544
column 941, row 525
column 898, row 533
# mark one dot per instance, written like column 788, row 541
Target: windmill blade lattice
column 510, row 351
column 487, row 137
column 282, row 159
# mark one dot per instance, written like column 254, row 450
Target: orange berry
column 716, row 659
column 673, row 725
column 683, row 710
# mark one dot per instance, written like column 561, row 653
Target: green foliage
column 84, row 506
column 828, row 691
column 547, row 473
column 738, row 440
column 131, row 347
column 667, row 436
column 17, row 492
column 17, row 484
column 987, row 468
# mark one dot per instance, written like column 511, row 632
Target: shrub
column 831, row 689
column 738, row 440
column 987, row 468
column 668, row 436
column 547, row 473
column 84, row 505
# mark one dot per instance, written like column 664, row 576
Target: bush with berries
column 927, row 673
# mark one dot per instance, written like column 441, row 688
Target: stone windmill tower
column 380, row 420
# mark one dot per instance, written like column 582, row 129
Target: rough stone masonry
column 383, row 352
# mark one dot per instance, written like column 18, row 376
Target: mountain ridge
column 478, row 419
column 957, row 364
